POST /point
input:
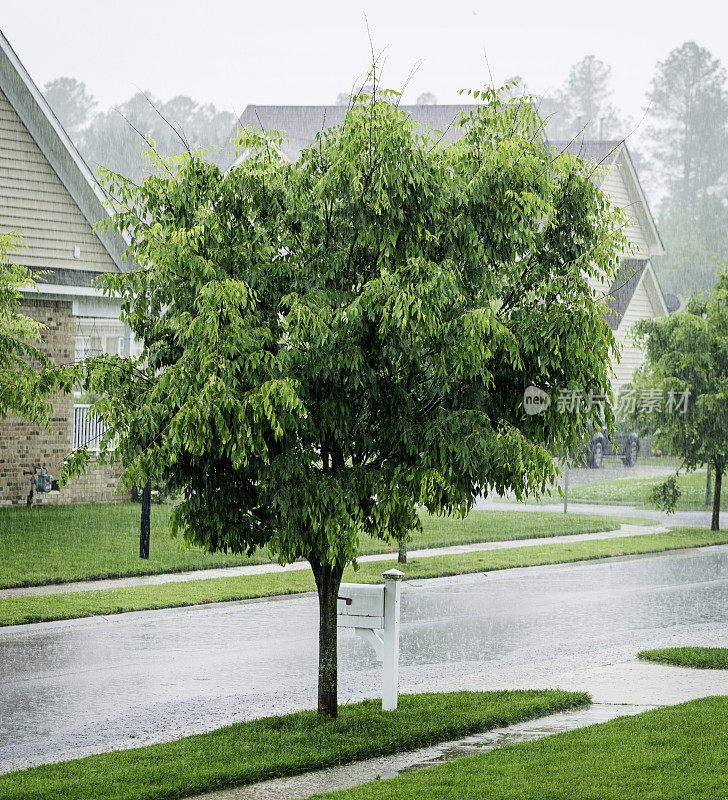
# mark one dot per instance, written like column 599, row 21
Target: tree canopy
column 27, row 375
column 688, row 352
column 332, row 344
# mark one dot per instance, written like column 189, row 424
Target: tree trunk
column 715, row 522
column 328, row 580
column 146, row 520
column 708, row 484
column 402, row 555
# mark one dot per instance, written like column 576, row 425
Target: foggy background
column 653, row 73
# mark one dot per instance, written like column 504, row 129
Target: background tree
column 514, row 87
column 426, row 99
column 689, row 351
column 346, row 98
column 688, row 106
column 696, row 241
column 115, row 139
column 333, row 344
column 71, row 103
column 583, row 106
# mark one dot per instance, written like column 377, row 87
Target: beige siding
column 34, row 202
column 639, row 308
column 615, row 187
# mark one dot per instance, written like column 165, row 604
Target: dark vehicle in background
column 621, row 444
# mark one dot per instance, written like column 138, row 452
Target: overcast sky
column 235, row 53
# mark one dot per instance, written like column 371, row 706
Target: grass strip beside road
column 273, row 747
column 672, row 753
column 696, row 657
column 58, row 544
column 44, row 608
column 639, row 522
column 634, row 492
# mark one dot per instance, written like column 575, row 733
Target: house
column 49, row 196
column 300, row 124
column 634, row 294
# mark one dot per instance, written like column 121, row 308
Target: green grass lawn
column 277, row 746
column 634, row 491
column 57, row 544
column 70, row 605
column 697, row 657
column 674, row 753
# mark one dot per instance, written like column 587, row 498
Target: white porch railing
column 87, row 428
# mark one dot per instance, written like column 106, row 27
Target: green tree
column 27, row 375
column 688, row 104
column 696, row 241
column 332, row 344
column 688, row 351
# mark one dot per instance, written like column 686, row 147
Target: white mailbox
column 361, row 605
column 368, row 608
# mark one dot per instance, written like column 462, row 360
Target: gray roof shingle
column 300, row 124
column 623, row 288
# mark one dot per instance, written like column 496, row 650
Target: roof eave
column 657, row 248
column 57, row 147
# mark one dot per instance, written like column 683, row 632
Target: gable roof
column 607, row 153
column 603, row 152
column 626, row 281
column 631, row 273
column 56, row 146
column 300, row 124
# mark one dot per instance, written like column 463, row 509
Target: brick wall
column 96, row 486
column 22, row 445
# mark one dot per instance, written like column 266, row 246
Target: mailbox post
column 390, row 651
column 368, row 608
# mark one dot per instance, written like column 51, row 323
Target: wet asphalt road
column 84, row 686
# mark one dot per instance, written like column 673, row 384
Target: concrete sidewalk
column 261, row 569
column 298, row 787
column 124, row 681
column 622, row 689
